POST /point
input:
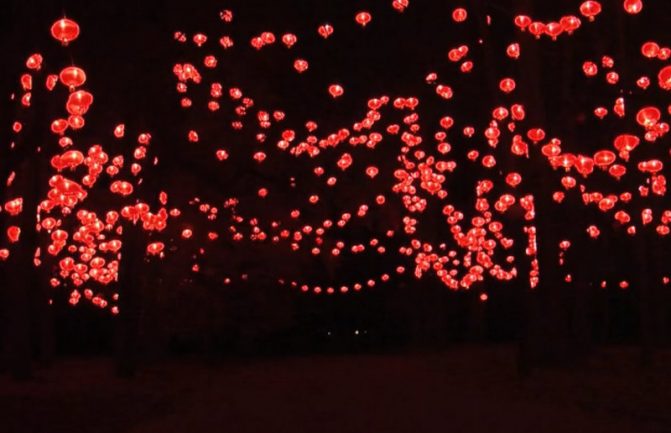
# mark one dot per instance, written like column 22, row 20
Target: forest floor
column 466, row 389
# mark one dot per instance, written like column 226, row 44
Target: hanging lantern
column 604, row 158
column 79, row 102
column 72, row 77
column 65, row 31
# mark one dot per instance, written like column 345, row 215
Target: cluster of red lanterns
column 421, row 176
column 88, row 247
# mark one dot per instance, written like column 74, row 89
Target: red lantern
column 59, row 126
column 633, row 6
column 155, row 248
column 522, row 21
column 459, row 15
column 565, row 160
column 604, row 158
column 72, row 77
column 300, row 65
column 325, row 30
column 65, row 31
column 513, row 51
column 648, row 116
column 13, row 234
column 507, row 85
column 584, row 165
column 617, row 171
column 363, row 18
column 289, row 39
column 664, row 78
column 199, row 39
column 537, row 28
column 625, row 143
column 536, row 134
column 553, row 30
column 590, row 9
column 650, row 49
column 72, row 158
column 570, row 23
column 79, row 102
column 34, row 62
column 336, row 90
column 400, row 5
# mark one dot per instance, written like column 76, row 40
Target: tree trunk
column 130, row 292
column 646, row 300
column 477, row 324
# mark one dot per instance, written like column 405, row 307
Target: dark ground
column 466, row 389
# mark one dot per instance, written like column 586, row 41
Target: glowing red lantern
column 617, row 171
column 363, row 18
column 325, row 30
column 536, row 134
column 400, row 5
column 593, row 231
column 522, row 21
column 300, row 65
column 513, row 51
column 336, row 90
column 604, row 158
column 507, row 85
column 59, row 126
column 513, row 179
column 633, row 6
column 648, row 116
column 13, row 234
column 570, row 23
column 199, row 39
column 459, row 15
column 650, row 49
column 155, row 248
column 565, row 160
column 537, row 28
column 121, row 187
column 79, row 102
column 65, row 31
column 625, row 143
column 553, row 30
column 34, row 62
column 590, row 9
column 289, row 39
column 664, row 78
column 72, row 158
column 72, row 77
